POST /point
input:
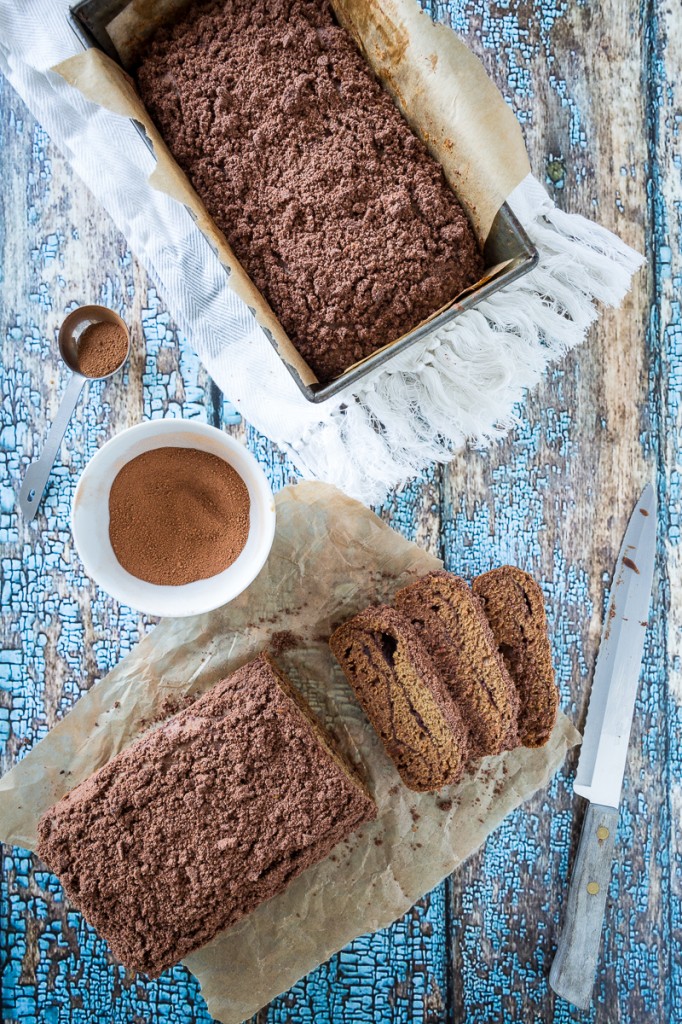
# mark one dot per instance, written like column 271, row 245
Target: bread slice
column 448, row 617
column 201, row 820
column 514, row 606
column 403, row 697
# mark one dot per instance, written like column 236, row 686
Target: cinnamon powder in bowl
column 177, row 515
column 173, row 517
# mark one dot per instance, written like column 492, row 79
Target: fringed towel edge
column 462, row 384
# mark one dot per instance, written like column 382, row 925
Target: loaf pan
column 508, row 252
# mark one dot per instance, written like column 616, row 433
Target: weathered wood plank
column 58, row 633
column 556, row 497
column 663, row 60
column 55, row 964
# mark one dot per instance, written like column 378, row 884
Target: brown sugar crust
column 514, row 606
column 463, row 649
column 201, row 820
column 335, row 209
column 403, row 697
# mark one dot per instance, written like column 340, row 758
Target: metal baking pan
column 508, row 252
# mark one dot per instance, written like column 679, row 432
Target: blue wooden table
column 595, row 89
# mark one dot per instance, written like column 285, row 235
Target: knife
column 604, row 752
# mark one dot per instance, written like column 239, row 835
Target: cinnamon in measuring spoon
column 102, row 347
column 177, row 515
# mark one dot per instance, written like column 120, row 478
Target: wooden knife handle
column 575, row 964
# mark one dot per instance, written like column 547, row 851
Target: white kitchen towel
column 458, row 386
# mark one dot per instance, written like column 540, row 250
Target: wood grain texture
column 557, row 497
column 596, row 89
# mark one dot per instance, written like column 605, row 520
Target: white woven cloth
column 459, row 386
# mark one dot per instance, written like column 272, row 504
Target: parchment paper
column 331, row 557
column 440, row 86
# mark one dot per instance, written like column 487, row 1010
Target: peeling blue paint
column 472, row 948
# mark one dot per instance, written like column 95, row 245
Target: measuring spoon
column 70, row 332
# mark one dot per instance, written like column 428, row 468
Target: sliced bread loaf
column 514, row 606
column 456, row 633
column 403, row 696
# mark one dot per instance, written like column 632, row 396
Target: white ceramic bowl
column 90, row 519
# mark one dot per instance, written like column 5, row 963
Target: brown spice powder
column 177, row 515
column 102, row 348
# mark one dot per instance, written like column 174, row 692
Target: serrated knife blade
column 603, row 754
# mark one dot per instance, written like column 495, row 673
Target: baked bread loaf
column 334, row 208
column 186, row 831
column 514, row 606
column 449, row 619
column 403, row 697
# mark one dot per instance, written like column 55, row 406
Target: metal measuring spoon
column 70, row 333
